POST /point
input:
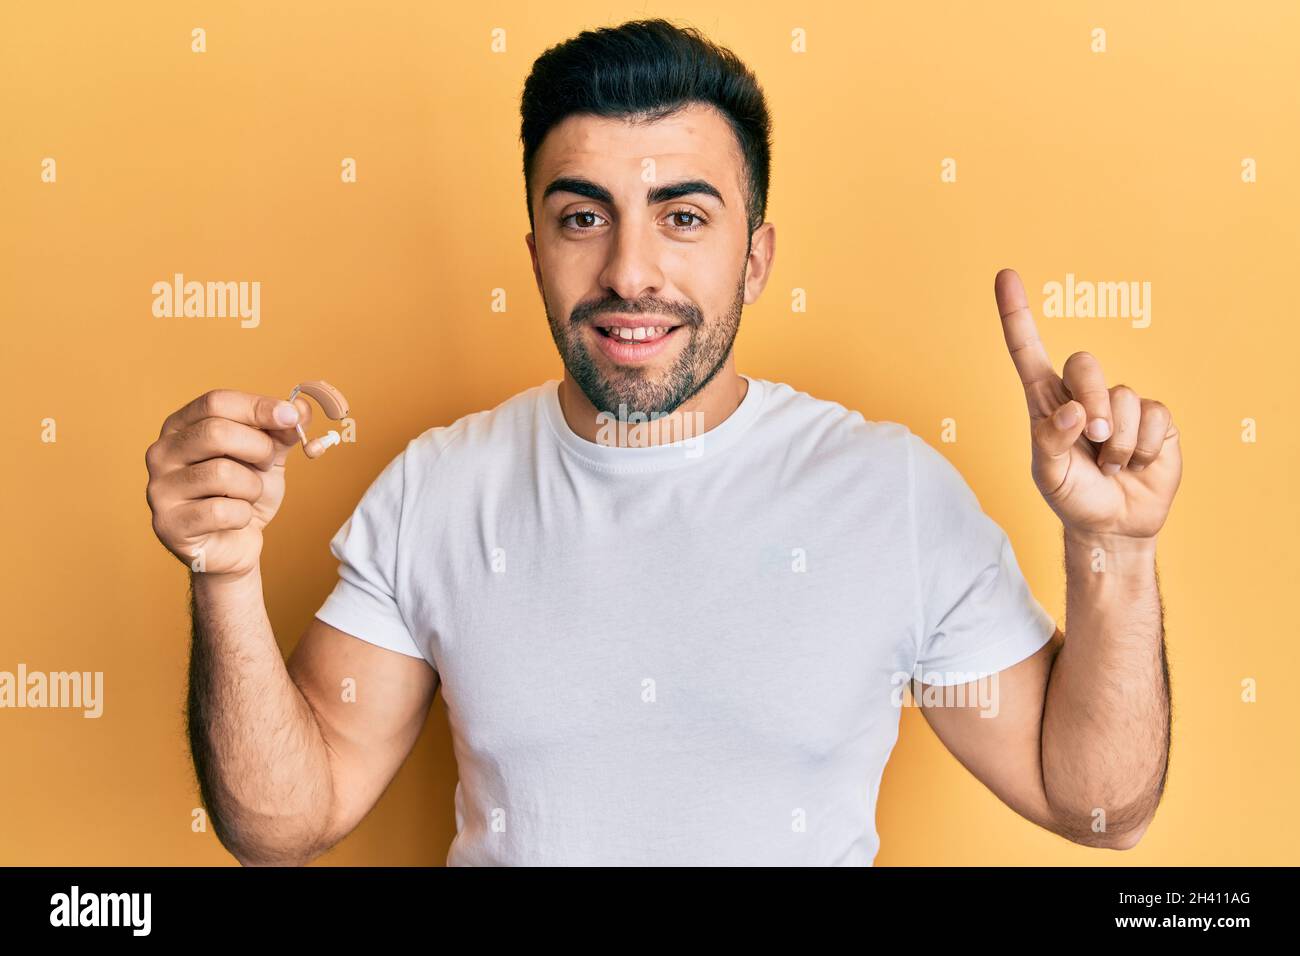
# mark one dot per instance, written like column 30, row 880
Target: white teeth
column 638, row 334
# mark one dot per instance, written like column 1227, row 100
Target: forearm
column 262, row 764
column 1105, row 736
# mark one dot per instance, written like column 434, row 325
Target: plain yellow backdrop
column 225, row 165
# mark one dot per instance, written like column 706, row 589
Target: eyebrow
column 664, row 193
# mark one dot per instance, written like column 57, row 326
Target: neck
column 704, row 410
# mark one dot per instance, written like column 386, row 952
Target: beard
column 648, row 390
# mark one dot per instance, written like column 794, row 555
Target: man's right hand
column 216, row 477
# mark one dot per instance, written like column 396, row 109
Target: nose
column 633, row 267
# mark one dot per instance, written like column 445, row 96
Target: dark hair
column 648, row 69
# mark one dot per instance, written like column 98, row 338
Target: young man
column 671, row 607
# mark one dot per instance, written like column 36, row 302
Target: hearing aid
column 334, row 405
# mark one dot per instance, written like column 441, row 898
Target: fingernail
column 1110, row 468
column 1067, row 416
column 286, row 414
column 1099, row 429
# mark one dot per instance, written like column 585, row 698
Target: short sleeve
column 363, row 602
column 977, row 615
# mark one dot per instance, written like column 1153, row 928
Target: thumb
column 1053, row 437
column 286, row 438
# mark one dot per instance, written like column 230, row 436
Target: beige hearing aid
column 335, row 406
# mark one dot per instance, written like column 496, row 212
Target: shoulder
column 823, row 426
column 503, row 424
column 934, row 478
column 453, row 457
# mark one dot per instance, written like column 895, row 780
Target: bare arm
column 288, row 764
column 1082, row 725
column 1106, row 725
column 368, row 731
column 1081, row 740
column 258, row 754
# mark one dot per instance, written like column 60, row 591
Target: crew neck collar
column 686, row 451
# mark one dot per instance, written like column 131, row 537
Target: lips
column 627, row 344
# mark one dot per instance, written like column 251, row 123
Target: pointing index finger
column 1020, row 332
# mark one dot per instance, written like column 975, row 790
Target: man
column 672, row 607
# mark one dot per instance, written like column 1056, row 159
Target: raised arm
column 1080, row 740
column 289, row 758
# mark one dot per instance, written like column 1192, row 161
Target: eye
column 701, row 221
column 585, row 213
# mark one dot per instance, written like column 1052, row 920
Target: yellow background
column 1122, row 166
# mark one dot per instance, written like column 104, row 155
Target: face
column 643, row 228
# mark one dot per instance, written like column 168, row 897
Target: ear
column 531, row 241
column 758, row 267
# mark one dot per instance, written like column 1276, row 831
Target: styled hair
column 648, row 70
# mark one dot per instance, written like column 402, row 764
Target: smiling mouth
column 633, row 336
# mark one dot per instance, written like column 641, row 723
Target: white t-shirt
column 688, row 653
